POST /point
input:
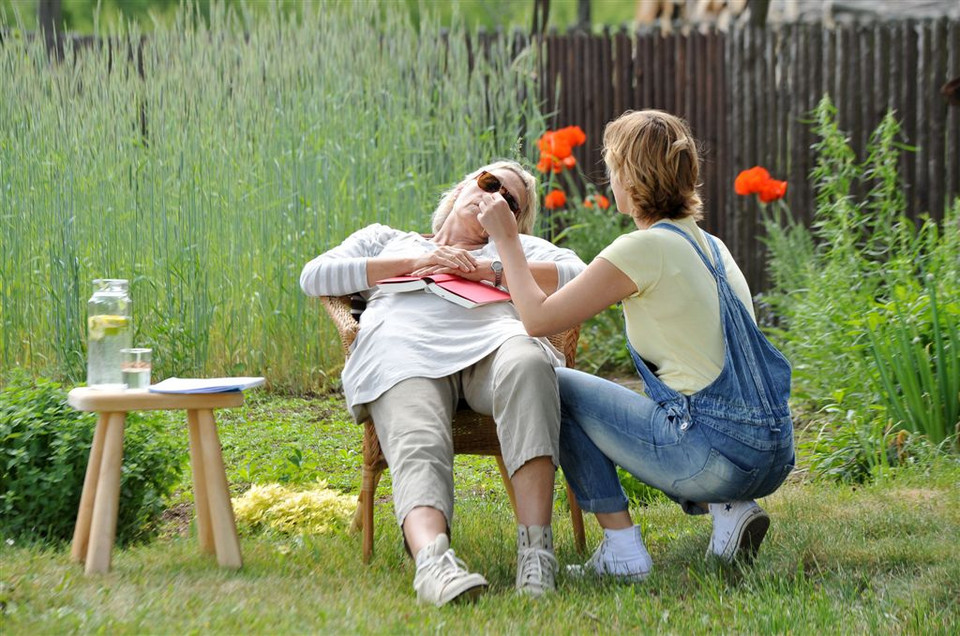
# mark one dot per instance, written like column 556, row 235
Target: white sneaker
column 631, row 564
column 442, row 577
column 738, row 530
column 536, row 564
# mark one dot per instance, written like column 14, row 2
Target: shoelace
column 533, row 567
column 447, row 567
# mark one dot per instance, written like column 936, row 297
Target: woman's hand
column 483, row 271
column 446, row 259
column 496, row 218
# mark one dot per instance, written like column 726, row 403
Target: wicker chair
column 473, row 433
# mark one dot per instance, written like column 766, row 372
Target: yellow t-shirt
column 673, row 321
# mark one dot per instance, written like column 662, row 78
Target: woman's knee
column 523, row 361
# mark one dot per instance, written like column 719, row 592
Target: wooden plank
column 908, row 113
column 785, row 61
column 855, row 90
column 718, row 114
column 953, row 118
column 867, row 47
column 701, row 130
column 659, row 69
column 735, row 131
column 681, row 88
column 938, row 116
column 650, row 69
column 884, row 70
column 606, row 108
column 623, row 61
column 923, row 95
column 747, row 133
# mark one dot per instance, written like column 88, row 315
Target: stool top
column 111, row 401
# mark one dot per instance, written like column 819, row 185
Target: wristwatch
column 497, row 268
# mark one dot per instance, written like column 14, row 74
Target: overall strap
column 733, row 315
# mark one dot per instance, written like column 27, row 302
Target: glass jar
column 109, row 330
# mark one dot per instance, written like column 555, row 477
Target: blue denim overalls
column 732, row 440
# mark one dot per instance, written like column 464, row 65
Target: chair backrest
column 345, row 313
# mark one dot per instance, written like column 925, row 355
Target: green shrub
column 867, row 301
column 44, row 445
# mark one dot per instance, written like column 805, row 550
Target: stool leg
column 218, row 494
column 81, row 532
column 103, row 525
column 201, row 504
column 507, row 483
column 576, row 518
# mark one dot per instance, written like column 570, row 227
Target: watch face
column 496, row 266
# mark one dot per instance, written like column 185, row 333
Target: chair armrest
column 566, row 343
column 338, row 308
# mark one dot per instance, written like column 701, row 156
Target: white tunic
column 417, row 334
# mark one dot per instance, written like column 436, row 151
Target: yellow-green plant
column 273, row 507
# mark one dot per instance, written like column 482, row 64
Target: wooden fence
column 748, row 94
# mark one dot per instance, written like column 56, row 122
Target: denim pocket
column 719, row 480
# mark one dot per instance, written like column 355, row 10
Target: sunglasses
column 490, row 183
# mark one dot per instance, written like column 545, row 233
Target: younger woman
column 713, row 431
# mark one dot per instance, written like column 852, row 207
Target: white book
column 205, row 385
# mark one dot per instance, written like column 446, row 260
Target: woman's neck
column 453, row 236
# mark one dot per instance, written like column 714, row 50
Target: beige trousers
column 516, row 384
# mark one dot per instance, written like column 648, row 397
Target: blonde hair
column 654, row 157
column 528, row 212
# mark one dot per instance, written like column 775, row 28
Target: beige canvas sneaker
column 536, row 564
column 442, row 577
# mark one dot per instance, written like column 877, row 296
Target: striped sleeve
column 343, row 269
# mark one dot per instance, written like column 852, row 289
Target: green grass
column 873, row 559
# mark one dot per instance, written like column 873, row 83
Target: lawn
column 866, row 559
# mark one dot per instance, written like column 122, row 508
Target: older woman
column 416, row 355
column 714, row 430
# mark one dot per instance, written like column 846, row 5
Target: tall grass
column 245, row 148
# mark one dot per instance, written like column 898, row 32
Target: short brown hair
column 654, row 157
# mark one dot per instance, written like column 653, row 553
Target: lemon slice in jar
column 106, row 325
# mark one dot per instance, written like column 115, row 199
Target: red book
column 463, row 292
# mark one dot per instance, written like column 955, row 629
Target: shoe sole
column 469, row 595
column 582, row 572
column 752, row 532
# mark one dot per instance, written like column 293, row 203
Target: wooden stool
column 96, row 526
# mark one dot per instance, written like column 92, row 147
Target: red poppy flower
column 545, row 164
column 771, row 190
column 573, row 134
column 602, row 202
column 554, row 145
column 555, row 199
column 750, row 181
